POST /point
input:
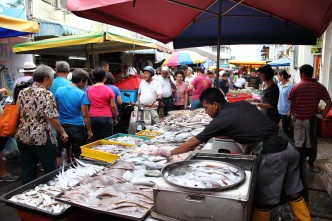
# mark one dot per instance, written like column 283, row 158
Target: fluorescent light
column 77, row 58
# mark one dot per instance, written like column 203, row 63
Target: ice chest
column 133, row 96
column 325, row 127
column 230, row 204
column 86, row 151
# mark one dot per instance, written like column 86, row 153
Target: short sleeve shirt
column 242, row 122
column 100, row 100
column 59, row 82
column 200, row 83
column 254, row 82
column 70, row 100
column 271, row 96
column 36, row 105
column 284, row 103
column 306, row 96
column 149, row 91
column 179, row 98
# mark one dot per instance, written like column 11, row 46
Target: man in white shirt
column 149, row 91
column 167, row 85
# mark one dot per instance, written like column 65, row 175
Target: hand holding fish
column 164, row 152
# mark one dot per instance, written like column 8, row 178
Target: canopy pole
column 216, row 82
column 93, row 57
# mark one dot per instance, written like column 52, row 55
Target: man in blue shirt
column 62, row 70
column 74, row 116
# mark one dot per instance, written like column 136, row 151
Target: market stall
column 121, row 177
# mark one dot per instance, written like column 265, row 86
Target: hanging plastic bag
column 11, row 151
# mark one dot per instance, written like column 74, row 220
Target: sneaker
column 9, row 178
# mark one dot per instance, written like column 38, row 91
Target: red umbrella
column 193, row 23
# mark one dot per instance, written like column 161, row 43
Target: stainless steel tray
column 111, row 213
column 180, row 169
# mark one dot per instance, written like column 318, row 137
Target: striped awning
column 55, row 29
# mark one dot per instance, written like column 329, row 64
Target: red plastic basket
column 238, row 97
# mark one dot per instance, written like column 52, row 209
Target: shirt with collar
column 149, row 91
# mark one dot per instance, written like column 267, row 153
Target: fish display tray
column 86, row 151
column 41, row 180
column 149, row 133
column 173, row 168
column 125, row 135
column 234, row 203
column 120, row 215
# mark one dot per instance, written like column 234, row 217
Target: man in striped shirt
column 305, row 97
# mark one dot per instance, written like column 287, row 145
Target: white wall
column 326, row 64
column 304, row 57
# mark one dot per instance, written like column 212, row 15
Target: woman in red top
column 102, row 106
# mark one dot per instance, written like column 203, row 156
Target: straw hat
column 28, row 67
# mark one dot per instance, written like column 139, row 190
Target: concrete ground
column 320, row 202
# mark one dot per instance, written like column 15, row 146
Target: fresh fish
column 156, row 158
column 153, row 173
column 152, row 165
column 143, row 181
column 128, row 175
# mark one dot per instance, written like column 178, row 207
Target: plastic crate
column 238, row 97
column 133, row 96
column 129, row 83
column 325, row 127
column 125, row 135
column 86, row 151
column 149, row 133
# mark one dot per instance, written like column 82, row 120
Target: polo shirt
column 149, row 91
column 283, row 102
column 242, row 122
column 306, row 96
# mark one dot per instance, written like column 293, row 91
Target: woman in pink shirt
column 102, row 106
column 180, row 95
column 199, row 84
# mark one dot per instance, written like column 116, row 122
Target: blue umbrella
column 280, row 62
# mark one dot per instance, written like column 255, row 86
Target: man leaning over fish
column 279, row 170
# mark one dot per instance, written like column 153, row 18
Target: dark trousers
column 285, row 124
column 3, row 142
column 178, row 107
column 102, row 127
column 31, row 154
column 168, row 102
column 77, row 136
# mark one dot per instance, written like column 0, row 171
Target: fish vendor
column 279, row 169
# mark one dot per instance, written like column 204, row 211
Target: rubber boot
column 300, row 209
column 261, row 214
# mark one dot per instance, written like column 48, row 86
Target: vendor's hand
column 64, row 137
column 164, row 153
